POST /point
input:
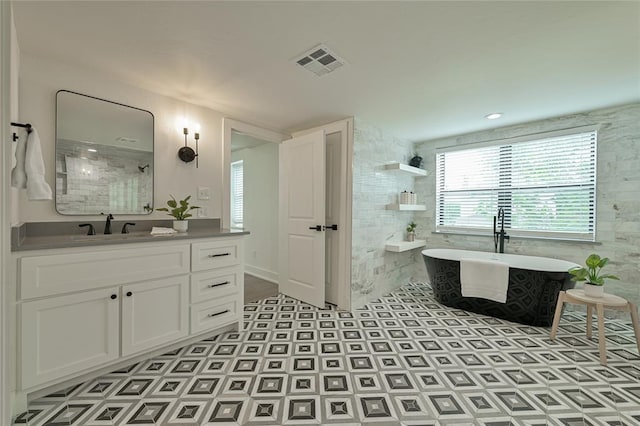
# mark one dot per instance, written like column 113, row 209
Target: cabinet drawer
column 216, row 283
column 215, row 254
column 65, row 273
column 215, row 313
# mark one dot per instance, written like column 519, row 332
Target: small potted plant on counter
column 180, row 211
column 591, row 275
column 411, row 231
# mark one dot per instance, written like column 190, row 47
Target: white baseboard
column 262, row 273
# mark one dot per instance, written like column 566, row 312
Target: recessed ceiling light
column 493, row 115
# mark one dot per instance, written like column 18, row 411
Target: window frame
column 234, row 166
column 504, row 197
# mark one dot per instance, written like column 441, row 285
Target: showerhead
column 141, row 168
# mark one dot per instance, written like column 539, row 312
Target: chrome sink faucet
column 499, row 236
column 107, row 226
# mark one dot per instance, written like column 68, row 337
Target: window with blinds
column 237, row 194
column 546, row 186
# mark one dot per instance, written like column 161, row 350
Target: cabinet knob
column 129, row 294
column 113, row 297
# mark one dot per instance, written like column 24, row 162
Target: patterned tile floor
column 402, row 360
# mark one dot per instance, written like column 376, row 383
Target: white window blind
column 237, row 194
column 546, row 186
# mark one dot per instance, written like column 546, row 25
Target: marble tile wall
column 107, row 180
column 618, row 196
column 375, row 271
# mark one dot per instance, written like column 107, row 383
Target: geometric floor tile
column 148, row 413
column 403, row 359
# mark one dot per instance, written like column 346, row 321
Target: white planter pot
column 181, row 225
column 411, row 236
column 593, row 290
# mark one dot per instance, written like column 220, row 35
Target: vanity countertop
column 23, row 240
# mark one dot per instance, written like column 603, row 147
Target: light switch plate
column 202, row 212
column 204, row 193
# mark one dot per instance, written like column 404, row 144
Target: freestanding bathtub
column 534, row 284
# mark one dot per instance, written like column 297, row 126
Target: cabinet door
column 65, row 335
column 154, row 313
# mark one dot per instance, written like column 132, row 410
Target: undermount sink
column 109, row 237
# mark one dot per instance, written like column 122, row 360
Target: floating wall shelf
column 406, row 168
column 406, row 207
column 399, row 246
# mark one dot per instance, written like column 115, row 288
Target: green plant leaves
column 592, row 261
column 609, row 277
column 178, row 212
column 579, row 274
column 591, row 274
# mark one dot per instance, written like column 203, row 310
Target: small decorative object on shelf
column 411, row 231
column 416, row 161
column 594, row 281
column 180, row 211
column 408, row 198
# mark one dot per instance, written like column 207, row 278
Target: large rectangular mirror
column 104, row 156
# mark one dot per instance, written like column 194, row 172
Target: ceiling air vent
column 320, row 60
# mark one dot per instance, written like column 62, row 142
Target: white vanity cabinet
column 81, row 310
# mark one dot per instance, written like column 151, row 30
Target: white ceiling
column 419, row 70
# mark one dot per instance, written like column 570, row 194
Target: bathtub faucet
column 499, row 236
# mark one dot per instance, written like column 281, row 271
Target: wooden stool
column 608, row 301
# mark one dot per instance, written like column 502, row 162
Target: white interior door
column 302, row 218
column 332, row 201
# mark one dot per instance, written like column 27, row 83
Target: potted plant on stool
column 180, row 211
column 594, row 281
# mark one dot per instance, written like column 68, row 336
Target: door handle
column 317, row 228
column 333, row 227
column 218, row 285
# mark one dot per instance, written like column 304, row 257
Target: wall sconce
column 186, row 153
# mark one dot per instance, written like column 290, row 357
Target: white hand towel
column 158, row 230
column 18, row 175
column 29, row 169
column 37, row 187
column 486, row 279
